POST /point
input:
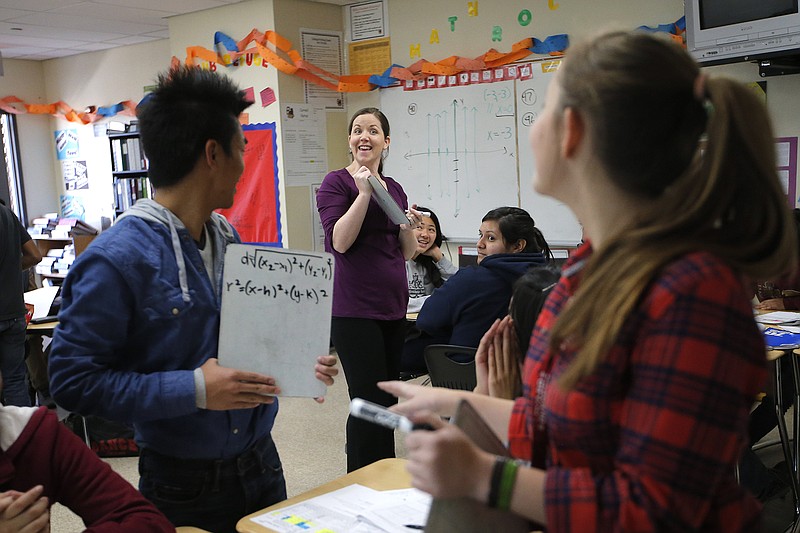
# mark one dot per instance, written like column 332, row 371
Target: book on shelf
column 125, row 162
column 116, row 152
column 76, row 226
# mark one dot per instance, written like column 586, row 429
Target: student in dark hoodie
column 464, row 308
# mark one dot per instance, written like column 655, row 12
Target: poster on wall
column 72, row 207
column 75, row 175
column 66, row 144
column 305, row 153
column 255, row 212
column 367, row 20
column 323, row 49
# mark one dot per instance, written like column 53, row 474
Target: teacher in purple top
column 370, row 290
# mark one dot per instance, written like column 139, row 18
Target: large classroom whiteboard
column 453, row 150
column 463, row 151
column 559, row 226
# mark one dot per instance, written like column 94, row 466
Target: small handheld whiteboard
column 387, row 203
column 276, row 314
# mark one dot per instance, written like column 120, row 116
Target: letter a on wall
column 255, row 212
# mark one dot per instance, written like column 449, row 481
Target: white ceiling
column 47, row 29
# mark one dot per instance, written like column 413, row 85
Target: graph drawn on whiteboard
column 454, row 150
column 559, row 226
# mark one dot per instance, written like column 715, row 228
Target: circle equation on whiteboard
column 528, row 118
column 412, row 109
column 529, row 97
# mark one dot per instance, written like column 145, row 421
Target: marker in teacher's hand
column 378, row 414
column 423, row 213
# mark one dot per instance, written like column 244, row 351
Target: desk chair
column 445, row 372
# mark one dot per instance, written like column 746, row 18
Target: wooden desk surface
column 44, row 329
column 387, row 474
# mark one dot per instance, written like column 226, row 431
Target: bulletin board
column 255, row 212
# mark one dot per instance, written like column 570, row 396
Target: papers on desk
column 41, row 300
column 352, row 509
column 780, row 317
column 781, row 339
column 787, row 320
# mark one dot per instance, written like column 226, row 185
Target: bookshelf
column 128, row 169
column 59, row 240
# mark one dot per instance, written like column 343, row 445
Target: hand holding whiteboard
column 276, row 314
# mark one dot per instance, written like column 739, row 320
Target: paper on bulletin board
column 369, row 57
column 322, row 48
column 367, row 20
column 305, row 152
column 276, row 314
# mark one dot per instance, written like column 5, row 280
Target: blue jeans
column 213, row 495
column 12, row 362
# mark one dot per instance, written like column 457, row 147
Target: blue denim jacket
column 136, row 320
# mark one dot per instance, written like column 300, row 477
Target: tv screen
column 716, row 13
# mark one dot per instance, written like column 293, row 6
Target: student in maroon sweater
column 43, row 462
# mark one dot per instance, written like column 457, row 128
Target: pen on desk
column 414, row 526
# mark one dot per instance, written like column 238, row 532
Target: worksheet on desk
column 276, row 314
column 352, row 509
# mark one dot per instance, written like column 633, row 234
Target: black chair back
column 447, row 373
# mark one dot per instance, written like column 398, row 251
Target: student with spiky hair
column 139, row 321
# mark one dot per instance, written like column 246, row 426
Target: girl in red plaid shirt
column 645, row 359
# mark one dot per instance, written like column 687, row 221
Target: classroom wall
column 25, row 79
column 98, row 78
column 290, row 17
column 236, row 21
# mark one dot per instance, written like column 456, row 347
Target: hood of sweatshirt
column 512, row 266
column 152, row 211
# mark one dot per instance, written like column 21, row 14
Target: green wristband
column 507, row 481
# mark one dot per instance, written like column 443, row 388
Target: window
column 11, row 190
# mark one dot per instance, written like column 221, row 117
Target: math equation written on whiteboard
column 276, row 314
column 298, row 266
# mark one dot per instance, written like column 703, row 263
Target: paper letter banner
column 255, row 212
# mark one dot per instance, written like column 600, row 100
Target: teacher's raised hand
column 361, row 177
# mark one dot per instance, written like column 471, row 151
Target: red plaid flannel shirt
column 650, row 440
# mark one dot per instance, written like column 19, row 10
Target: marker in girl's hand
column 378, row 414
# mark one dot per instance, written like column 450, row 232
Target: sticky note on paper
column 267, row 97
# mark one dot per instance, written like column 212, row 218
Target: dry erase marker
column 423, row 213
column 378, row 414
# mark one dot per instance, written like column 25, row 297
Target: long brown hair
column 702, row 151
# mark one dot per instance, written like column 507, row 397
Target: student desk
column 46, row 328
column 386, row 474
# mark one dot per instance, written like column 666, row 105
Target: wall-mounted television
column 726, row 31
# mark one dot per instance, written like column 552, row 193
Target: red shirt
column 650, row 440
